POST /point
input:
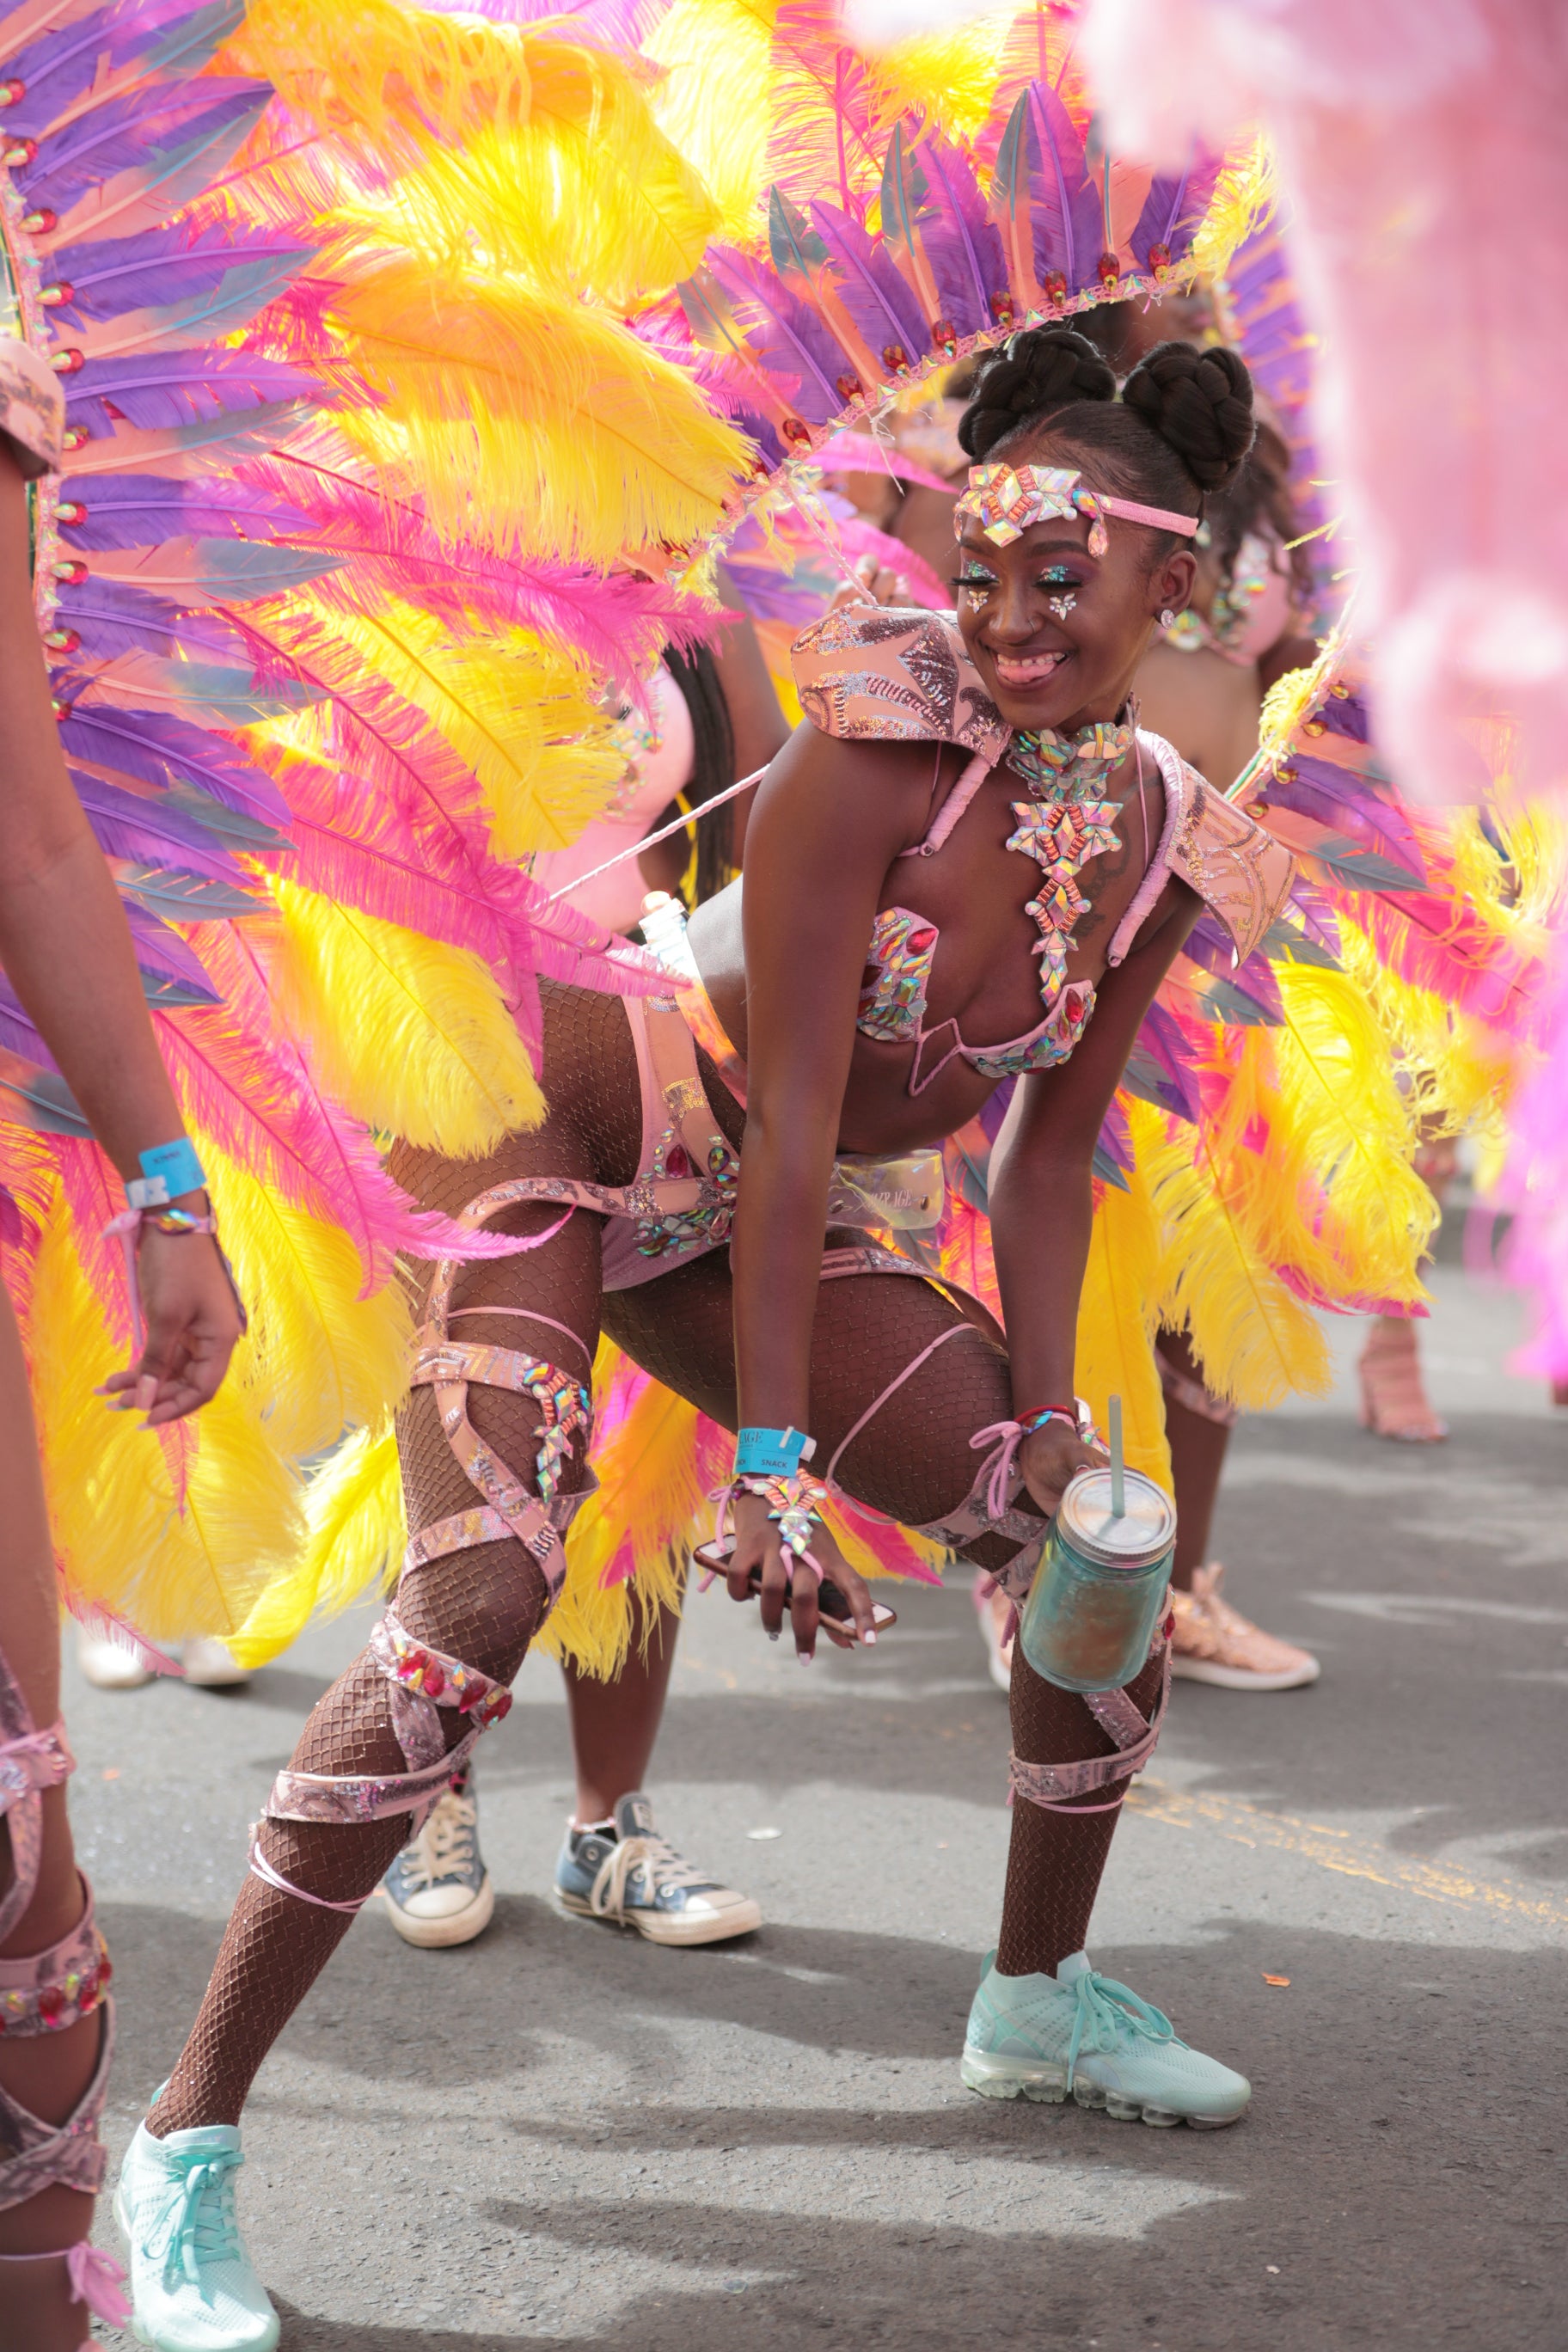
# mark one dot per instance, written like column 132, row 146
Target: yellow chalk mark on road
column 1333, row 1849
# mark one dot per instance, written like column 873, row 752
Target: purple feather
column 149, row 830
column 785, row 336
column 108, row 276
column 1160, row 1068
column 18, row 1036
column 152, row 389
column 1209, row 944
column 144, row 510
column 55, row 70
column 1332, row 796
column 162, row 131
column 157, row 749
column 1174, row 210
column 931, row 189
column 1065, row 202
column 165, row 958
column 871, row 289
column 113, row 616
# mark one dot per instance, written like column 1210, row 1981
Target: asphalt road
column 563, row 2137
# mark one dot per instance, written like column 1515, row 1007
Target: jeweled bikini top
column 906, row 676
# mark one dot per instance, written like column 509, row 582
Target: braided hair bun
column 1199, row 401
column 1043, row 369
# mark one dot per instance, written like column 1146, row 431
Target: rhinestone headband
column 1005, row 502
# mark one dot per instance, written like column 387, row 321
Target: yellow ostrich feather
column 1257, row 1341
column 1335, row 1115
column 355, row 1537
column 407, row 79
column 591, row 196
column 653, row 1488
column 172, row 1571
column 319, row 1357
column 513, row 708
column 543, row 419
column 1115, row 1351
column 947, row 77
column 714, row 100
column 412, row 1036
column 1459, row 1073
column 1244, row 194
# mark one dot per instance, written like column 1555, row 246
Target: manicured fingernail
column 772, row 1634
column 804, row 1657
column 869, row 1639
column 146, row 1393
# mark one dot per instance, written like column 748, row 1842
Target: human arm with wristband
column 67, row 952
column 1042, row 1202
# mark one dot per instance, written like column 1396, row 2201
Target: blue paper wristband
column 168, row 1171
column 772, row 1453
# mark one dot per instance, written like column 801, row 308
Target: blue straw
column 1118, row 1486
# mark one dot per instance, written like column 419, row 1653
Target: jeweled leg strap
column 1057, row 1787
column 423, row 1680
column 43, row 1993
column 507, row 1511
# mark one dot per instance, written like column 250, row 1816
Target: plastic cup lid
column 1146, row 1530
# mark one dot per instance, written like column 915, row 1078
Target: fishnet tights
column 913, row 1462
column 1056, row 1859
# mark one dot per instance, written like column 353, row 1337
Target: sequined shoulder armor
column 1236, row 866
column 901, row 675
column 32, row 409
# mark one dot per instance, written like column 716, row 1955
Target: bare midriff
column 976, row 892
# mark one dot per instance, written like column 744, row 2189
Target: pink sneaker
column 1214, row 1643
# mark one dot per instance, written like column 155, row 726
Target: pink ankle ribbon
column 95, row 2278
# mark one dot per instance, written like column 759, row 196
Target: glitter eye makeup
column 977, row 584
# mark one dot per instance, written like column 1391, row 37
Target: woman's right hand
column 878, row 585
column 758, row 1544
column 193, row 1321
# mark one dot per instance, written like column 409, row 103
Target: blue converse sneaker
column 192, row 2285
column 623, row 1871
column 438, row 1890
column 1038, row 2037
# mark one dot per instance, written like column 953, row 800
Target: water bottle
column 1101, row 1587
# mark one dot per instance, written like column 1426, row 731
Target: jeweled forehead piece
column 1007, row 501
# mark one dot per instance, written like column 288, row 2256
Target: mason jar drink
column 1096, row 1597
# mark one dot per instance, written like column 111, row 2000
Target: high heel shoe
column 1393, row 1400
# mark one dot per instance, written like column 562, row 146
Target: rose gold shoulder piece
column 1234, row 864
column 896, row 676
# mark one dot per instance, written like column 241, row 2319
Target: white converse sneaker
column 1039, row 2037
column 438, row 1890
column 192, row 2285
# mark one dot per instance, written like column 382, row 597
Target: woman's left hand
column 192, row 1321
column 1050, row 1458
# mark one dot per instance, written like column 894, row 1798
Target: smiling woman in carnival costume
column 970, row 866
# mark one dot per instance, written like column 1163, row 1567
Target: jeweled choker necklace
column 1043, row 758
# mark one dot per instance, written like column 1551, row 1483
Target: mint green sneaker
column 1038, row 2037
column 192, row 2285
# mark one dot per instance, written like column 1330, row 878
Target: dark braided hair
column 696, row 673
column 1183, row 425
